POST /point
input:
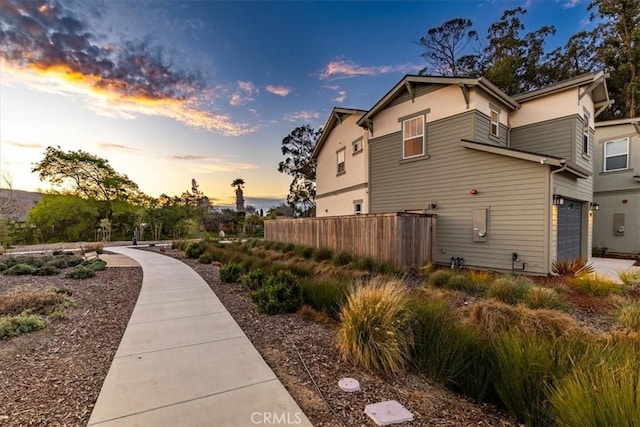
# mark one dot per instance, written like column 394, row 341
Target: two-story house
column 616, row 185
column 510, row 178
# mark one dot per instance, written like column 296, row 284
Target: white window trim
column 356, row 203
column 585, row 133
column 605, row 157
column 404, row 139
column 344, row 161
column 357, row 142
column 497, row 123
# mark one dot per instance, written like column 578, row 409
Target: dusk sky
column 168, row 91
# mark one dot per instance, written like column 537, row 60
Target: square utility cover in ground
column 387, row 413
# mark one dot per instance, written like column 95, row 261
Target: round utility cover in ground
column 349, row 385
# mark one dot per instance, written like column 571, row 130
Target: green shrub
column 322, row 254
column 509, row 289
column 374, row 326
column 96, row 264
column 20, row 270
column 254, row 279
column 463, row 283
column 231, row 272
column 525, row 367
column 444, row 349
column 288, row 247
column 440, row 278
column 194, row 250
column 342, row 258
column 277, row 297
column 206, row 258
column 595, row 285
column 3, row 266
column 366, row 263
column 326, row 294
column 544, row 298
column 308, row 252
column 47, row 270
column 180, row 245
column 15, row 325
column 65, row 261
column 301, row 270
column 81, row 272
column 628, row 316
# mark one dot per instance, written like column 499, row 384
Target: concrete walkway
column 184, row 361
column 610, row 267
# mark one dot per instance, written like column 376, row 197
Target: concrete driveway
column 610, row 267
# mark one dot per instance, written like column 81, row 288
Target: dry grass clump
column 480, row 277
column 35, row 301
column 630, row 278
column 545, row 298
column 374, row 326
column 628, row 315
column 493, row 317
column 595, row 285
column 509, row 289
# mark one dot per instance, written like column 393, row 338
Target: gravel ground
column 53, row 377
column 303, row 355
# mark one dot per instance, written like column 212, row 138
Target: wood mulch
column 52, row 377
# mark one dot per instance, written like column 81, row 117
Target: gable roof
column 597, row 85
column 336, row 116
column 635, row 122
column 408, row 81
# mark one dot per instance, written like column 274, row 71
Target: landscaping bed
column 53, row 376
column 291, row 344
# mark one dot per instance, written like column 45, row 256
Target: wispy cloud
column 110, row 146
column 205, row 164
column 343, row 69
column 570, row 4
column 46, row 47
column 302, row 116
column 279, row 90
column 246, row 92
column 23, row 144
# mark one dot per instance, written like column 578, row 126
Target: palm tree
column 239, row 184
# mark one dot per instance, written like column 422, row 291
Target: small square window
column 357, row 146
column 340, row 161
column 413, row 137
column 357, row 208
column 495, row 123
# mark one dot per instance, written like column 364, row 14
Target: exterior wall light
column 594, row 206
column 558, row 200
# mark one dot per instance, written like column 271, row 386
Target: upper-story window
column 616, row 155
column 357, row 207
column 357, row 146
column 585, row 134
column 413, row 137
column 495, row 123
column 340, row 161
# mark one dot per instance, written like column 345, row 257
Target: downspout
column 563, row 162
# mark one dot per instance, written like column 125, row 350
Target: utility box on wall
column 480, row 225
column 618, row 224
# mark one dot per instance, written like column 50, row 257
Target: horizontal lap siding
column 553, row 137
column 482, row 131
column 403, row 239
column 512, row 190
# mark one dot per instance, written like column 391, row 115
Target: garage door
column 569, row 230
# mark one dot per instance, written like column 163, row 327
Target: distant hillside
column 22, row 202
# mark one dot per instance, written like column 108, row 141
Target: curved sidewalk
column 184, row 361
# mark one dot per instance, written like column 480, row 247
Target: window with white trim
column 413, row 137
column 495, row 123
column 357, row 146
column 616, row 155
column 585, row 134
column 357, row 207
column 340, row 161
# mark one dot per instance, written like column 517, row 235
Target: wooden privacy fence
column 405, row 239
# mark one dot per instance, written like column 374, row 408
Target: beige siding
column 514, row 192
column 555, row 137
column 548, row 108
column 342, row 203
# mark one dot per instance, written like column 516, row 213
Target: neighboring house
column 341, row 174
column 616, row 186
column 510, row 178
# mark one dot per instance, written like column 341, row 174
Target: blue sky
column 168, row 91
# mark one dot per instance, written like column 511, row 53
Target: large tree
column 297, row 147
column 618, row 49
column 446, row 47
column 90, row 176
